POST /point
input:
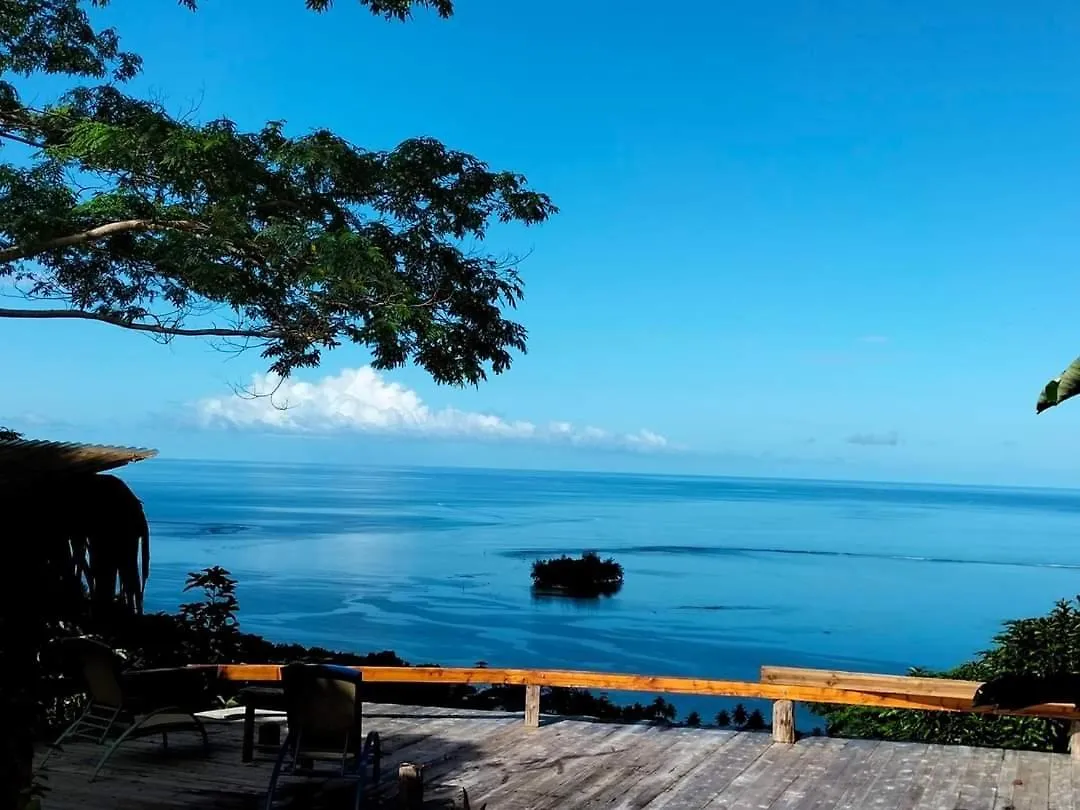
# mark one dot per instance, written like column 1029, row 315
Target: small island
column 587, row 576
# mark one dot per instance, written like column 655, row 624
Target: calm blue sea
column 722, row 574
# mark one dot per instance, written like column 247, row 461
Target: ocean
column 723, row 575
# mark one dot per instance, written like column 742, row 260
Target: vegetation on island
column 585, row 576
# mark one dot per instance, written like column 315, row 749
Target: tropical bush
column 584, row 576
column 1044, row 645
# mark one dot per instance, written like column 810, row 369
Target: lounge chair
column 324, row 715
column 125, row 705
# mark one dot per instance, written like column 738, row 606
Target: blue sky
column 830, row 240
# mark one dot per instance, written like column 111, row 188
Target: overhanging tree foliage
column 1063, row 387
column 124, row 214
column 113, row 210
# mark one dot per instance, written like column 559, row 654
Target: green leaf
column 1060, row 388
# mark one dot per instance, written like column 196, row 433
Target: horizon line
column 605, row 473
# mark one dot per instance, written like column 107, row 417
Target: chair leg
column 202, row 731
column 247, row 748
column 109, row 751
column 276, row 773
column 374, row 745
column 63, row 736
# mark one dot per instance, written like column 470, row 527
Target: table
column 253, row 698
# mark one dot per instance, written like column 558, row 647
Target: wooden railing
column 783, row 685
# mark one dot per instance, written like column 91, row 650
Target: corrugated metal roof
column 22, row 458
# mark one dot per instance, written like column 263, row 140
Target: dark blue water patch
column 741, row 551
column 182, row 527
column 305, row 521
column 725, row 607
column 650, row 572
column 459, row 581
column 554, row 595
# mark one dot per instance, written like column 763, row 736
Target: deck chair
column 324, row 716
column 120, row 705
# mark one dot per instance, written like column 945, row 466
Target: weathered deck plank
column 1033, row 790
column 549, row 757
column 569, row 764
column 1063, row 785
column 653, row 761
column 766, row 779
column 684, row 757
column 827, row 755
column 912, row 795
column 890, row 786
column 708, row 780
column 580, row 768
column 978, row 781
column 861, row 782
column 826, row 792
column 1010, row 764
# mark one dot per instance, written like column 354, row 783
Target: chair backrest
column 100, row 668
column 323, row 705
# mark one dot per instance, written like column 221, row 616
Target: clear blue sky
column 836, row 240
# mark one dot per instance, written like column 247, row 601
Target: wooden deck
column 569, row 764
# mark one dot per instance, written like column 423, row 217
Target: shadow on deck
column 574, row 764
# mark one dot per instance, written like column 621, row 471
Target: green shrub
column 1044, row 645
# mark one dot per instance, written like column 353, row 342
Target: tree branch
column 12, row 136
column 17, row 252
column 157, row 329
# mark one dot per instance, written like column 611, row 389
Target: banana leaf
column 1060, row 388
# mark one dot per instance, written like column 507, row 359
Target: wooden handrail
column 934, row 697
column 871, row 682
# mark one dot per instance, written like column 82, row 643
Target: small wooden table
column 254, row 698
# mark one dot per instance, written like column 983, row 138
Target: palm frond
column 107, row 529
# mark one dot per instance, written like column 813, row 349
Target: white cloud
column 361, row 400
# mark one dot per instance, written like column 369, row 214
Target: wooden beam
column 661, row 685
column 871, row 682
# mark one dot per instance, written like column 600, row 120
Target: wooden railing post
column 783, row 721
column 532, row 705
column 410, row 786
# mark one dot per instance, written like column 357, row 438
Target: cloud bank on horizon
column 361, row 400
